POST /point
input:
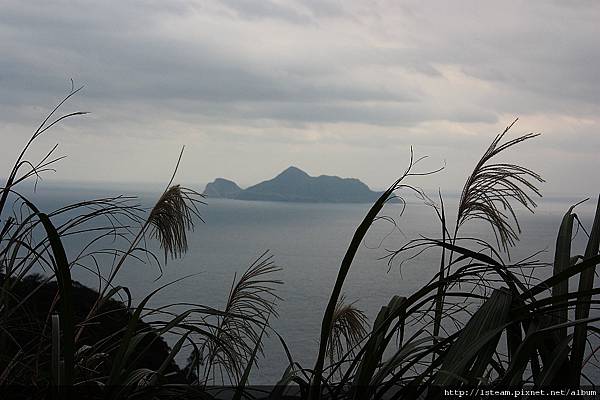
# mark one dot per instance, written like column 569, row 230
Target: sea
column 308, row 242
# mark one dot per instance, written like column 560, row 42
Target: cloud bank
column 336, row 87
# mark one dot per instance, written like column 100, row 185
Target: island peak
column 222, row 188
column 293, row 171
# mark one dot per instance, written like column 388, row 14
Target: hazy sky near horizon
column 333, row 87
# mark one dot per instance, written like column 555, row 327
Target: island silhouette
column 295, row 185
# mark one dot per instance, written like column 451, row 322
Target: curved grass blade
column 242, row 384
column 582, row 309
column 562, row 261
column 361, row 231
column 471, row 353
column 167, row 362
column 65, row 287
column 375, row 346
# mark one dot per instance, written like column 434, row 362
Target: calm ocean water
column 308, row 241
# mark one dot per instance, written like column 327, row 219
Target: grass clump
column 479, row 322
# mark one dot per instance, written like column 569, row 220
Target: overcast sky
column 333, row 87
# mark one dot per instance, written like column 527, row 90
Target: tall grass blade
column 55, row 351
column 167, row 361
column 582, row 309
column 375, row 346
column 359, row 235
column 65, row 287
column 562, row 261
column 125, row 348
column 288, row 375
column 555, row 279
column 472, row 352
column 439, row 301
column 557, row 360
column 239, row 391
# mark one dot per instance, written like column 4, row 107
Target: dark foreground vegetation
column 483, row 321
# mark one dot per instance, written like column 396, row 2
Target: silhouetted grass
column 479, row 322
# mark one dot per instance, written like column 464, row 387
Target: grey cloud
column 122, row 57
column 325, row 8
column 547, row 49
column 266, row 9
column 384, row 114
column 300, row 67
column 299, row 12
column 139, row 65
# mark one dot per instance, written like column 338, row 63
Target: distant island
column 295, row 185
